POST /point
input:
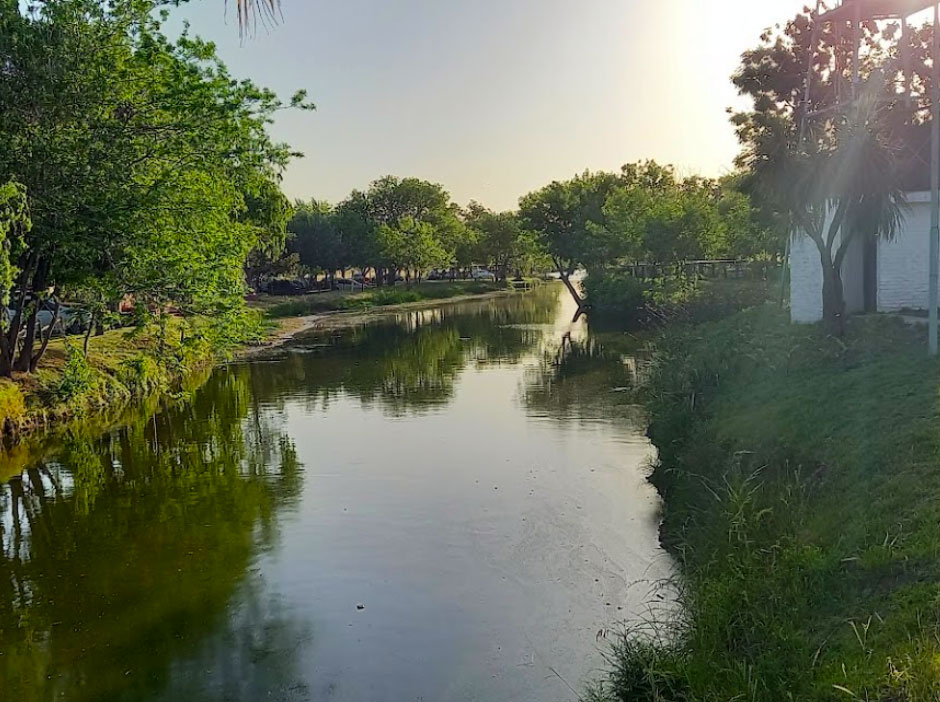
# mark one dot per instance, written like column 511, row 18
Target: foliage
column 397, row 224
column 12, row 405
column 77, row 378
column 144, row 161
column 616, row 294
column 644, row 214
column 567, row 219
column 14, row 225
column 838, row 178
column 499, row 240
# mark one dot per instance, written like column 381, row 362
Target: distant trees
column 499, row 240
column 398, row 225
column 568, row 221
column 644, row 213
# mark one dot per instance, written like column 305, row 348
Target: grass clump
column 12, row 404
column 800, row 476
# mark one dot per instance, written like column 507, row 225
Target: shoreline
column 113, row 398
column 290, row 328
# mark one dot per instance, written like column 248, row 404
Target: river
column 440, row 505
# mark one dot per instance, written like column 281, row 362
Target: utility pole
column 934, row 186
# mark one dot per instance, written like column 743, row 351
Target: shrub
column 12, row 404
column 616, row 294
column 141, row 374
column 78, row 377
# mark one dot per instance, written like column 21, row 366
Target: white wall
column 903, row 263
column 901, row 274
column 805, row 280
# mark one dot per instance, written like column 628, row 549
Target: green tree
column 568, row 221
column 402, row 223
column 317, row 240
column 841, row 178
column 501, row 242
column 143, row 160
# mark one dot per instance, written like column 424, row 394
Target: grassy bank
column 801, row 485
column 319, row 303
column 122, row 366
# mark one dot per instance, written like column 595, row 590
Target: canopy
column 875, row 9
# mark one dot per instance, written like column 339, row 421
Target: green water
column 441, row 505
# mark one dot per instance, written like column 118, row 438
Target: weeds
column 802, row 500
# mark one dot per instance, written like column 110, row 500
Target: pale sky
column 494, row 98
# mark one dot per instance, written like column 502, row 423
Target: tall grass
column 801, row 485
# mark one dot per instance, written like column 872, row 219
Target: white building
column 878, row 276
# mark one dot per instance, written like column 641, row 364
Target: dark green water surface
column 445, row 504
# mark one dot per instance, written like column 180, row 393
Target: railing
column 721, row 268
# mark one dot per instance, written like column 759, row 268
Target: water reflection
column 119, row 554
column 466, row 472
column 589, row 377
column 409, row 362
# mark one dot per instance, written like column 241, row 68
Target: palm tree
column 250, row 12
column 837, row 187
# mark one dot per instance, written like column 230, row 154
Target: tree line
column 136, row 168
column 644, row 213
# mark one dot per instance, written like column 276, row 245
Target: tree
column 268, row 211
column 568, row 221
column 317, row 241
column 500, row 241
column 840, row 178
column 402, row 223
column 143, row 160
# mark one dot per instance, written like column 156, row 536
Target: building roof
column 875, row 9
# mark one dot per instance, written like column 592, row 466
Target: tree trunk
column 29, row 340
column 91, row 325
column 566, row 279
column 34, row 360
column 833, row 300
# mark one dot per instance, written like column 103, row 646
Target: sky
column 495, row 98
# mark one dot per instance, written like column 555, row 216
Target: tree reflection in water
column 407, row 363
column 121, row 554
column 593, row 377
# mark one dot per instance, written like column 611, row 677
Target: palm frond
column 251, row 13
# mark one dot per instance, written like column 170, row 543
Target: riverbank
column 125, row 366
column 802, row 500
column 358, row 310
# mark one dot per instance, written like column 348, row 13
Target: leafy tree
column 318, row 242
column 143, row 160
column 401, row 223
column 842, row 179
column 568, row 221
column 268, row 211
column 500, row 239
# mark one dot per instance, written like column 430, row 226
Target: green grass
column 349, row 302
column 801, row 485
column 122, row 365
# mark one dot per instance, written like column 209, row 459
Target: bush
column 395, row 296
column 12, row 404
column 78, row 377
column 617, row 295
column 141, row 374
